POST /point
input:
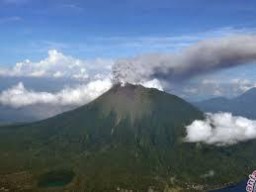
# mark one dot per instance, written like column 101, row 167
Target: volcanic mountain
column 243, row 105
column 129, row 139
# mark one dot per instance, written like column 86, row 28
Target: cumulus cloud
column 58, row 65
column 94, row 77
column 153, row 84
column 221, row 129
column 243, row 84
column 218, row 87
column 19, row 96
column 200, row 58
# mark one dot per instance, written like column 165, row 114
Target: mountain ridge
column 99, row 147
column 242, row 105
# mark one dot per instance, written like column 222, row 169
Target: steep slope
column 243, row 105
column 129, row 138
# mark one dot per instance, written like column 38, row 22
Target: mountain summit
column 130, row 138
column 135, row 102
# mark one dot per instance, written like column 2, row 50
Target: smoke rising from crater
column 200, row 58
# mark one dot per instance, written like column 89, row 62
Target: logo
column 251, row 184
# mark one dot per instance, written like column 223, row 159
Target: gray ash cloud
column 200, row 58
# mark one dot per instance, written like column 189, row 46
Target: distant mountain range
column 129, row 139
column 30, row 113
column 243, row 105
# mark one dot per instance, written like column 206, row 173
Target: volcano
column 129, row 139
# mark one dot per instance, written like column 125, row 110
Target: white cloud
column 97, row 74
column 216, row 86
column 221, row 129
column 243, row 85
column 19, row 96
column 153, row 84
column 58, row 65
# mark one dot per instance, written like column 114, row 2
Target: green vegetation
column 129, row 138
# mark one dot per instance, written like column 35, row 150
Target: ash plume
column 198, row 59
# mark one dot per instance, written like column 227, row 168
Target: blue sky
column 91, row 28
column 46, row 38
